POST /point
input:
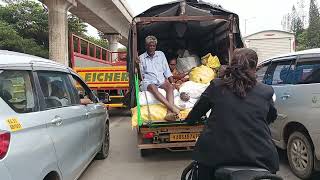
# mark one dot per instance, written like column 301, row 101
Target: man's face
column 151, row 48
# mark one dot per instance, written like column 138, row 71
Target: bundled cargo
column 187, row 62
column 147, row 97
column 156, row 112
column 202, row 74
column 193, row 89
column 211, row 61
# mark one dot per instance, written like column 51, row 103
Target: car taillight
column 4, row 143
column 148, row 135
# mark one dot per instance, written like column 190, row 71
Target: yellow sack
column 157, row 113
column 211, row 61
column 202, row 74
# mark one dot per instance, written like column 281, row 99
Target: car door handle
column 56, row 121
column 285, row 96
column 282, row 116
column 88, row 114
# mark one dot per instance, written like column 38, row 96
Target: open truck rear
column 103, row 70
column 200, row 27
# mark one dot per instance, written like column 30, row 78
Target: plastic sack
column 202, row 74
column 187, row 62
column 211, row 61
column 193, row 89
column 157, row 114
column 151, row 99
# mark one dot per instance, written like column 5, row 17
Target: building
column 270, row 43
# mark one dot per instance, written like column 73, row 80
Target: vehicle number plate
column 184, row 137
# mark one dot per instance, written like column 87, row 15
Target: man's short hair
column 150, row 39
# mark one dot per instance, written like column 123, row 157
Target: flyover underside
column 104, row 16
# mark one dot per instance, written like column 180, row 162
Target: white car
column 51, row 124
column 295, row 79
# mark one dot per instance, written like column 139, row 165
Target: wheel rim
column 299, row 155
column 106, row 141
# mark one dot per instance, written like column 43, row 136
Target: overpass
column 112, row 17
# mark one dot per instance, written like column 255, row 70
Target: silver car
column 51, row 124
column 296, row 80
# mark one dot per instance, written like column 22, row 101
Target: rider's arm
column 272, row 114
column 201, row 108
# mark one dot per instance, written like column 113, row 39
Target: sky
column 258, row 15
column 254, row 15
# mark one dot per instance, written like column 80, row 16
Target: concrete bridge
column 112, row 17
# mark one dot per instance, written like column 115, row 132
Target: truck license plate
column 184, row 137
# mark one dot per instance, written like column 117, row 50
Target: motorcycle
column 231, row 173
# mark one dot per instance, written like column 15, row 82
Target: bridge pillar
column 58, row 29
column 113, row 40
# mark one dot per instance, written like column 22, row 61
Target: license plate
column 184, row 137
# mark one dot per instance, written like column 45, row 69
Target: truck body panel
column 104, row 71
column 198, row 26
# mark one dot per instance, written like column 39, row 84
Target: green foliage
column 305, row 38
column 296, row 22
column 122, row 49
column 101, row 42
column 24, row 27
column 76, row 25
column 302, row 41
column 11, row 40
column 313, row 32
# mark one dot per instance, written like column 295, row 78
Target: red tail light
column 4, row 143
column 148, row 135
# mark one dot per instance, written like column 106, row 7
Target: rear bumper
column 120, row 105
column 187, row 145
column 162, row 140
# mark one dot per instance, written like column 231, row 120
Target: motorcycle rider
column 237, row 132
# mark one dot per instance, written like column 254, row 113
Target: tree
column 122, row 49
column 28, row 21
column 12, row 1
column 11, row 40
column 101, row 42
column 302, row 41
column 76, row 25
column 313, row 32
column 293, row 22
column 296, row 23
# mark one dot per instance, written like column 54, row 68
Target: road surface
column 124, row 161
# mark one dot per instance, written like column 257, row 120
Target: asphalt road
column 124, row 161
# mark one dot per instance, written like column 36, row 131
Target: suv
column 295, row 79
column 51, row 124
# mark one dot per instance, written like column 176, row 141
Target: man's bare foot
column 176, row 110
column 170, row 116
column 180, row 108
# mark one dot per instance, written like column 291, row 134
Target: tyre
column 300, row 155
column 104, row 151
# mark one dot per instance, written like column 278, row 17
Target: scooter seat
column 244, row 173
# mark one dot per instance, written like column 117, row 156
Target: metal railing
column 90, row 51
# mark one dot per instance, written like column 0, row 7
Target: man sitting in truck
column 156, row 74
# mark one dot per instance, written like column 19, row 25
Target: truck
column 103, row 70
column 187, row 24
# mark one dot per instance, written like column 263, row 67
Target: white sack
column 151, row 98
column 193, row 89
